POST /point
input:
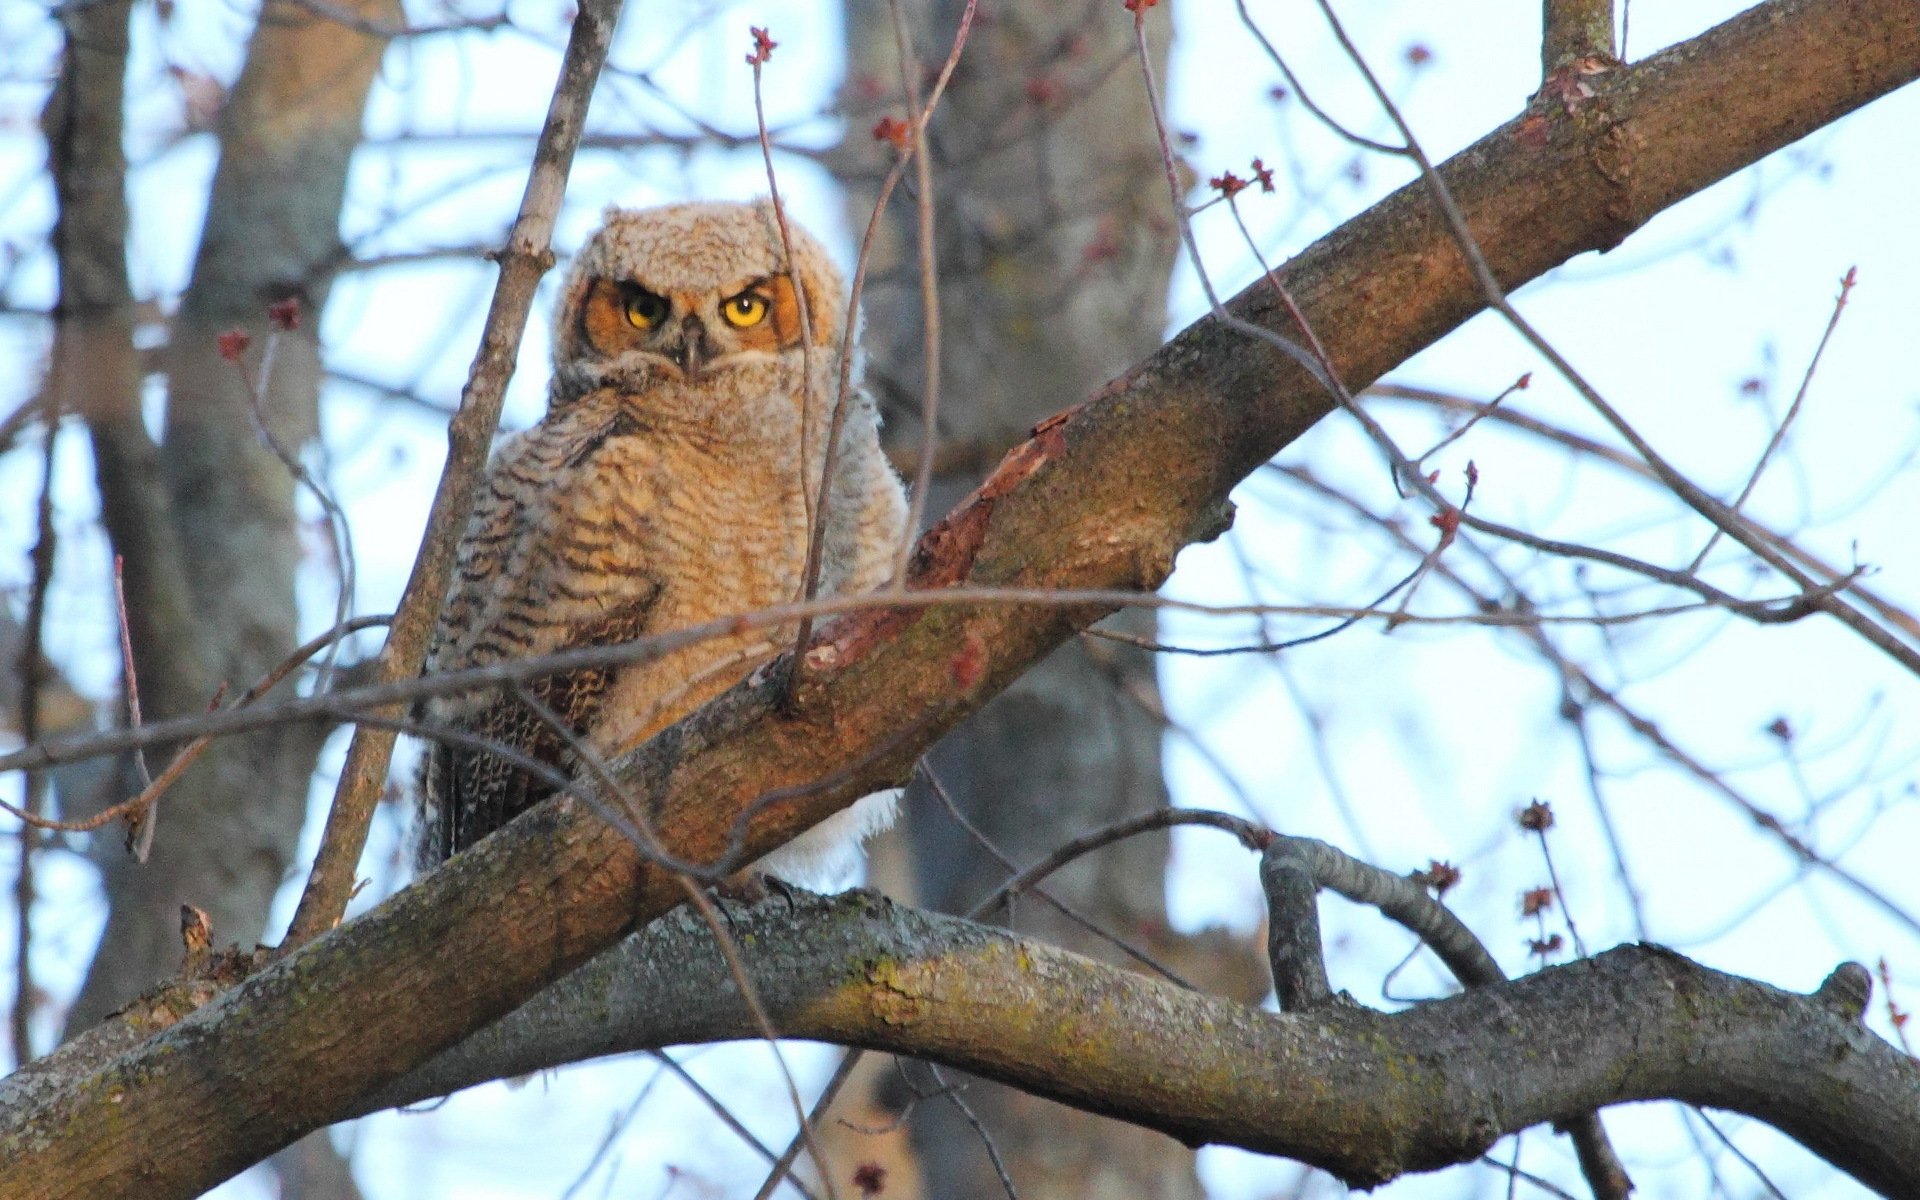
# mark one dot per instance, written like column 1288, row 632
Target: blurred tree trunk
column 205, row 519
column 1055, row 248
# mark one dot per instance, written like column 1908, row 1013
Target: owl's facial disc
column 698, row 332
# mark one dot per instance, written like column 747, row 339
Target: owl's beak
column 695, row 349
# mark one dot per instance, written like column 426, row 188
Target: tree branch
column 1104, row 495
column 527, row 256
column 1365, row 1095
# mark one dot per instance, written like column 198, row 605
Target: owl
column 670, row 483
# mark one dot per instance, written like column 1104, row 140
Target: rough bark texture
column 1104, row 497
column 1054, row 249
column 1366, row 1095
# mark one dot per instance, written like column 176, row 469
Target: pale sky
column 1435, row 735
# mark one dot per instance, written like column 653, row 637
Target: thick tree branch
column 1365, row 1095
column 1103, row 496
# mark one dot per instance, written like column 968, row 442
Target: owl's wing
column 474, row 791
column 515, row 596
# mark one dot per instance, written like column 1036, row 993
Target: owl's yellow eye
column 748, row 308
column 644, row 309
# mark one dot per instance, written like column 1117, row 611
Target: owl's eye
column 644, row 309
column 748, row 308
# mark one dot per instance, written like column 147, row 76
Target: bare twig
column 1821, row 597
column 145, row 822
column 952, row 1095
column 284, row 316
column 925, row 206
column 689, row 878
column 131, row 681
column 1786, row 422
column 817, row 540
column 138, row 806
column 719, row 1109
column 1482, row 413
column 1883, row 608
column 1536, row 819
column 783, row 1166
column 525, row 259
column 338, row 15
column 614, row 1129
column 959, row 817
column 361, row 703
column 816, row 501
column 32, row 674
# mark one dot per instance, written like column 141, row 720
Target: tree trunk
column 1054, row 251
column 213, row 510
column 205, row 521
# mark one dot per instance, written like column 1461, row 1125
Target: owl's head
column 693, row 289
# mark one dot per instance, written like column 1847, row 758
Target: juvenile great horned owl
column 667, row 486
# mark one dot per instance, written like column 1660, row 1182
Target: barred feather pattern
column 650, row 499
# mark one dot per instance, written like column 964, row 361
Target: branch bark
column 1104, row 496
column 1365, row 1095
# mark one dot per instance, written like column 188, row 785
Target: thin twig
column 816, row 542
column 1093, row 927
column 525, row 259
column 1536, row 819
column 783, row 1166
column 720, row 1110
column 1481, row 413
column 130, row 679
column 32, row 673
column 645, row 840
column 145, row 823
column 353, row 703
column 816, row 501
column 924, row 209
column 1577, row 443
column 1820, row 597
column 1786, row 422
column 1306, row 100
column 339, row 530
column 1773, row 1189
column 138, row 806
column 952, row 1095
column 614, row 1129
